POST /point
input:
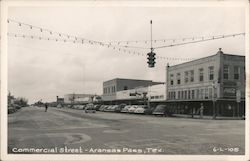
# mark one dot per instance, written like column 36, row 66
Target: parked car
column 90, row 108
column 108, row 109
column 81, row 107
column 112, row 109
column 103, row 108
column 141, row 109
column 161, row 110
column 132, row 108
column 150, row 110
column 125, row 109
column 120, row 107
column 97, row 107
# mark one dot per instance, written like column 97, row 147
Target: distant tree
column 21, row 101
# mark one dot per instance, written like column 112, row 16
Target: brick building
column 111, row 87
column 212, row 81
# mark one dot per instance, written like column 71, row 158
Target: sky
column 40, row 69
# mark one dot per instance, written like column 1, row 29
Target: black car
column 162, row 110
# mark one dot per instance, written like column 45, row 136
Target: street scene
column 118, row 133
column 126, row 80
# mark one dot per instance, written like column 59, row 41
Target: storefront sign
column 229, row 92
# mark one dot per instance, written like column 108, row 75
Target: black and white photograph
column 124, row 80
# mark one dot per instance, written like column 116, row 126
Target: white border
column 3, row 110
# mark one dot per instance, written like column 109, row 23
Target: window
column 188, row 94
column 186, row 77
column 211, row 73
column 191, row 75
column 197, row 94
column 171, row 82
column 185, row 94
column 192, row 94
column 210, row 92
column 178, row 76
column 206, row 93
column 125, row 88
column 201, row 73
column 236, row 72
column 171, row 79
column 226, row 72
column 201, row 93
column 179, row 94
column 182, row 94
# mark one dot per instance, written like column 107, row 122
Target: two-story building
column 213, row 82
column 112, row 87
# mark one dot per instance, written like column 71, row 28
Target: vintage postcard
column 124, row 80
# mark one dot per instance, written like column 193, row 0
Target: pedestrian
column 201, row 111
column 46, row 107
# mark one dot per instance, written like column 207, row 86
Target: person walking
column 46, row 107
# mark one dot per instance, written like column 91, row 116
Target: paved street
column 106, row 133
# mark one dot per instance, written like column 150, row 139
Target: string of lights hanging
column 121, row 46
column 35, row 37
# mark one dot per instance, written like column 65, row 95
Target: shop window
column 211, row 73
column 201, row 74
column 236, row 72
column 226, row 72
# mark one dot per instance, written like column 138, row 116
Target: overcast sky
column 39, row 69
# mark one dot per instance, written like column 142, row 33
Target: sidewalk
column 207, row 117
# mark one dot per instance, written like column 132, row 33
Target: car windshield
column 160, row 108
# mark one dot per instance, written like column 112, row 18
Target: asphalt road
column 31, row 130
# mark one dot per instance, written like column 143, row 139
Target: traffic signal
column 151, row 59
